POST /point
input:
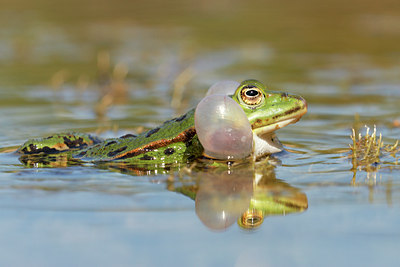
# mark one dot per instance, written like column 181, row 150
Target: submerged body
column 176, row 141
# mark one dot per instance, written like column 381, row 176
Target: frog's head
column 268, row 111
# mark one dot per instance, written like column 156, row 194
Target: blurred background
column 118, row 64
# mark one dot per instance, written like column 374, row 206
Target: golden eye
column 251, row 219
column 251, row 95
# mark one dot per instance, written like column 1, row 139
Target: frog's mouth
column 279, row 124
column 275, row 126
column 286, row 120
column 265, row 140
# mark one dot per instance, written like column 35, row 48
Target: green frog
column 176, row 141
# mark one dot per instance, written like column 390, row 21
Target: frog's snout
column 305, row 105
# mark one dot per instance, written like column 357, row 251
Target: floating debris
column 396, row 123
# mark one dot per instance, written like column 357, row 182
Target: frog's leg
column 58, row 143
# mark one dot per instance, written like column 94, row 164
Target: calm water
column 112, row 68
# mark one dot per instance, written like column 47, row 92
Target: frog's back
column 174, row 141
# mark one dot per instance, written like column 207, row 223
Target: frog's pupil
column 253, row 221
column 252, row 92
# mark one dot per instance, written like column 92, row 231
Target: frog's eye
column 251, row 219
column 251, row 95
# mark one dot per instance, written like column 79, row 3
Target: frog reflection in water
column 245, row 194
column 225, row 192
column 178, row 141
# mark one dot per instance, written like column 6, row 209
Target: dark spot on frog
column 249, row 87
column 189, row 134
column 115, row 152
column 290, row 111
column 189, row 143
column 74, row 143
column 181, row 118
column 169, row 151
column 151, row 132
column 49, row 137
column 258, row 123
column 128, row 135
column 110, row 143
column 147, row 157
column 32, row 149
column 168, row 121
column 284, row 95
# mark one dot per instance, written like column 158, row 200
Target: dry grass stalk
column 368, row 150
column 179, row 87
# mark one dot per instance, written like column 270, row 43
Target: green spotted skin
column 58, row 143
column 173, row 142
column 176, row 140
